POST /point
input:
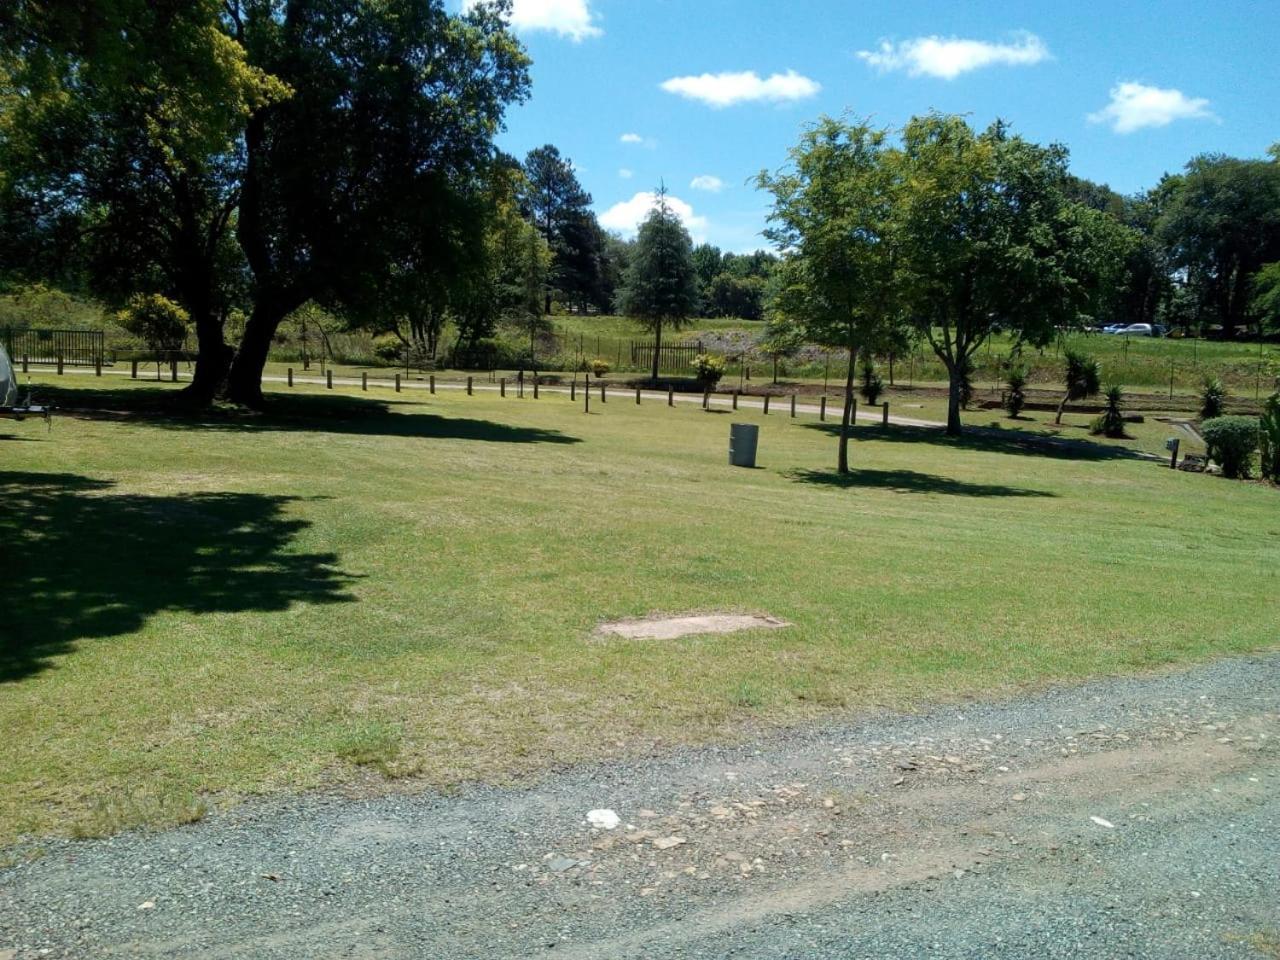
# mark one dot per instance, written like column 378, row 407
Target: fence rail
column 672, row 357
column 75, row 348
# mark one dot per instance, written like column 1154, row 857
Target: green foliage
column 1083, row 375
column 1266, row 295
column 1269, row 438
column 872, row 385
column 1231, row 443
column 560, row 209
column 709, row 367
column 1015, row 397
column 599, row 367
column 1110, row 423
column 155, row 320
column 388, row 348
column 1213, row 396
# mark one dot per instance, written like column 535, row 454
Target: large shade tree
column 390, row 127
column 556, row 203
column 832, row 215
column 660, row 287
column 987, row 240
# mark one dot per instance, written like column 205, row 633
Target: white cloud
column 625, row 174
column 948, row 57
column 706, row 181
column 727, row 89
column 625, row 216
column 569, row 18
column 631, row 138
column 1136, row 105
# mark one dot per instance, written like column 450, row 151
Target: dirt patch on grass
column 672, row 628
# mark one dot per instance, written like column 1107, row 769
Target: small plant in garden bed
column 1016, row 396
column 1110, row 423
column 709, row 368
column 1231, row 443
column 600, row 367
column 1212, row 398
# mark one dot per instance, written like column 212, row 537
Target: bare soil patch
column 672, row 628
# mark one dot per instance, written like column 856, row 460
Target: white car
column 1138, row 330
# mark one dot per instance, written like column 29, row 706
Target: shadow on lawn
column 338, row 414
column 989, row 440
column 79, row 562
column 909, row 481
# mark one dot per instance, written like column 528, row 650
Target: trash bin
column 743, row 439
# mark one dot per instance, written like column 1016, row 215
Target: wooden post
column 364, row 380
column 735, row 399
column 535, row 388
column 397, row 383
column 573, row 389
column 793, row 406
column 853, row 413
column 671, row 396
column 59, row 364
column 133, row 375
column 291, row 376
column 25, row 364
column 173, row 369
column 1173, row 460
column 884, row 422
column 637, row 396
column 706, row 399
column 431, row 383
column 822, row 410
column 766, row 404
column 748, row 371
column 603, row 398
column 586, row 399
column 328, row 379
column 469, row 388
column 502, row 387
column 97, row 366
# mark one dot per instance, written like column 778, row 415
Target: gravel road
column 1122, row 818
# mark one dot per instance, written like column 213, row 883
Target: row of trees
column 268, row 153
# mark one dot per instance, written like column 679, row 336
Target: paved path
column 1133, row 818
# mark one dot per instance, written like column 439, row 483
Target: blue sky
column 702, row 94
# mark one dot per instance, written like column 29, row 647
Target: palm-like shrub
column 872, row 384
column 1015, row 397
column 1084, row 379
column 1212, row 397
column 1110, row 423
column 1231, row 443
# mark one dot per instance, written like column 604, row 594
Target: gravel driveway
column 1123, row 818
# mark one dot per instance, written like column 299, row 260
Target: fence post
column 671, row 396
column 364, row 380
column 573, row 390
column 735, row 399
column 822, row 410
column 328, row 379
column 133, row 374
column 59, row 364
column 291, row 376
column 885, row 419
column 853, row 413
column 502, row 387
column 706, row 399
column 135, row 366
column 173, row 369
column 748, row 371
column 603, row 398
column 397, row 383
column 1173, row 459
column 637, row 396
column 97, row 366
column 469, row 388
column 431, row 382
column 535, row 388
column 793, row 406
column 766, row 404
column 586, row 399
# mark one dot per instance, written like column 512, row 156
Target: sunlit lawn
column 339, row 594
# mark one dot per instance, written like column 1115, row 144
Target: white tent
column 8, row 382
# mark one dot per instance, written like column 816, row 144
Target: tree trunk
column 657, row 348
column 1062, row 406
column 213, row 362
column 954, row 426
column 244, row 385
column 842, row 465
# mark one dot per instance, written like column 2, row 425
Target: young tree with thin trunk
column 833, row 219
column 660, row 287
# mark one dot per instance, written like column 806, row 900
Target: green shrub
column 872, row 385
column 600, row 367
column 388, row 348
column 1212, row 396
column 709, row 367
column 1110, row 423
column 1015, row 397
column 1269, row 439
column 1083, row 377
column 1231, row 443
column 157, row 321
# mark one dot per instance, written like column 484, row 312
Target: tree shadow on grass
column 990, row 440
column 303, row 413
column 79, row 562
column 909, row 481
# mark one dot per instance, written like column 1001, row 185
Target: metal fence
column 673, row 356
column 75, row 348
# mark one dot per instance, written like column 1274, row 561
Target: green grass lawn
column 384, row 592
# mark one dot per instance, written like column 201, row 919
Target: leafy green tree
column 1221, row 225
column 377, row 159
column 120, row 125
column 833, row 214
column 783, row 337
column 1269, row 438
column 1266, row 296
column 987, row 239
column 707, row 262
column 157, row 321
column 661, row 287
column 741, row 297
column 556, row 203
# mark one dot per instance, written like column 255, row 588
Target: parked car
column 1138, row 330
column 1113, row 328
